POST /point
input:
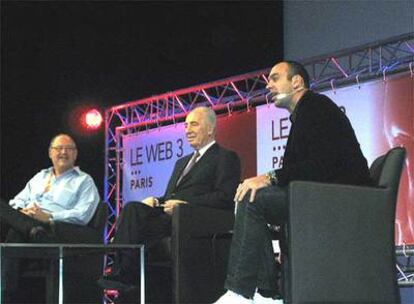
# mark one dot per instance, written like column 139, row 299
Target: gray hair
column 209, row 114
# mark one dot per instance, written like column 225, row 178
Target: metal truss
column 240, row 93
column 362, row 63
column 405, row 265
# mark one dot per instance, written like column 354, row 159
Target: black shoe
column 116, row 281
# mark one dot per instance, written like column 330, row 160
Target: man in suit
column 207, row 177
column 322, row 147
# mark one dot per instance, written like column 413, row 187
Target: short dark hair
column 295, row 68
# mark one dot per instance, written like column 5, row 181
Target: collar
column 75, row 169
column 294, row 114
column 204, row 149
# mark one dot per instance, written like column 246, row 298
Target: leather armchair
column 196, row 254
column 340, row 239
column 91, row 233
column 80, row 271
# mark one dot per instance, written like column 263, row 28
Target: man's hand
column 151, row 201
column 26, row 211
column 30, row 209
column 42, row 216
column 35, row 212
column 170, row 204
column 251, row 184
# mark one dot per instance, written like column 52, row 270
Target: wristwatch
column 271, row 177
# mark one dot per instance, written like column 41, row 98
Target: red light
column 93, row 119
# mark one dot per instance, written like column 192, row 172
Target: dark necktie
column 189, row 166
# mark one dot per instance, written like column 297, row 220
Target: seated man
column 207, row 177
column 62, row 193
column 321, row 147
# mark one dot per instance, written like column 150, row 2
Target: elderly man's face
column 63, row 153
column 197, row 129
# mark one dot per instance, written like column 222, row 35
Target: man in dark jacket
column 207, row 177
column 322, row 147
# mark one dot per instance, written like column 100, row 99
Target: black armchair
column 80, row 271
column 196, row 254
column 83, row 268
column 340, row 239
column 91, row 233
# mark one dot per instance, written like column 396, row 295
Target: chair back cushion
column 386, row 170
column 376, row 168
column 98, row 220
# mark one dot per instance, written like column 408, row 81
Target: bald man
column 321, row 147
column 60, row 194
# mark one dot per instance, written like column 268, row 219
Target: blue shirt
column 72, row 197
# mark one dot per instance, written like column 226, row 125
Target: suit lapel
column 180, row 168
column 201, row 163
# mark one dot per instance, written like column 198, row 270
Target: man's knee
column 271, row 194
column 272, row 203
column 261, row 199
column 135, row 209
column 255, row 205
column 131, row 207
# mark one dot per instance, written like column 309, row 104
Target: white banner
column 149, row 159
column 273, row 125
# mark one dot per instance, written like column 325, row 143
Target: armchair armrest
column 304, row 187
column 339, row 207
column 340, row 213
column 72, row 233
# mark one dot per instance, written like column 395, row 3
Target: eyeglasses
column 61, row 148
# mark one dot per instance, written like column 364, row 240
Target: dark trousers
column 19, row 225
column 138, row 224
column 252, row 264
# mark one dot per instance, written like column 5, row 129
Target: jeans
column 252, row 264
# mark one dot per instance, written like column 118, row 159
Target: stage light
column 93, row 119
column 84, row 120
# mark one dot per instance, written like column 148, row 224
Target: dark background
column 59, row 56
